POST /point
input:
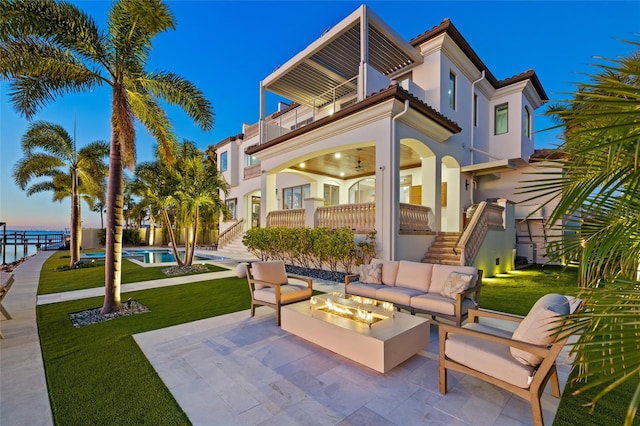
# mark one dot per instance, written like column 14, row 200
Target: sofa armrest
column 350, row 277
column 307, row 280
column 475, row 314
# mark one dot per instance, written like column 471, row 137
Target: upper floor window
column 331, row 195
column 250, row 160
column 232, row 208
column 223, row 161
column 452, row 90
column 502, row 119
column 293, row 197
column 526, row 122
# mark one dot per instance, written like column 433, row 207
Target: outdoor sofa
column 446, row 291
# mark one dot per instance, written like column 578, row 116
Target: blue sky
column 227, row 47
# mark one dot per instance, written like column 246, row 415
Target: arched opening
column 363, row 191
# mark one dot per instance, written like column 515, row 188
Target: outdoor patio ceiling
column 334, row 59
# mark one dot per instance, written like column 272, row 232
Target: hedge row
column 307, row 247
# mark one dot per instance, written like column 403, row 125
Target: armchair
column 270, row 285
column 521, row 362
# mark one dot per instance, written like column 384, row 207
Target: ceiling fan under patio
column 360, row 166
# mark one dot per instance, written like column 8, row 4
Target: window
column 331, row 195
column 232, row 207
column 502, row 119
column 363, row 191
column 452, row 90
column 250, row 160
column 475, row 110
column 526, row 122
column 293, row 197
column 223, row 162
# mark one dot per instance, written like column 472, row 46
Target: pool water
column 150, row 256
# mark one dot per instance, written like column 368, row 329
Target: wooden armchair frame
column 4, row 289
column 545, row 371
column 278, row 296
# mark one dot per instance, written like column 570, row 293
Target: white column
column 310, row 206
column 431, row 193
column 387, row 196
column 268, row 196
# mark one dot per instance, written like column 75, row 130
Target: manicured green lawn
column 78, row 279
column 517, row 291
column 98, row 375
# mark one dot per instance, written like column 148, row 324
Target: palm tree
column 48, row 48
column 600, row 186
column 181, row 192
column 50, row 153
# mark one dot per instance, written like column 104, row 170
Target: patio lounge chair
column 5, row 286
column 521, row 362
column 270, row 285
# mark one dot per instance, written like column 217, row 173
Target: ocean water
column 11, row 252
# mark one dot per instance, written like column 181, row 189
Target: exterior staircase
column 442, row 249
column 235, row 249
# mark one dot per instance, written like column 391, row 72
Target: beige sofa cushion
column 441, row 273
column 538, row 326
column 440, row 304
column 414, row 275
column 389, row 270
column 364, row 289
column 272, row 271
column 488, row 357
column 398, row 295
column 288, row 293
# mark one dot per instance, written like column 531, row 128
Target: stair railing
column 486, row 217
column 230, row 233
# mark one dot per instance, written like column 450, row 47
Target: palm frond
column 61, row 23
column 175, row 90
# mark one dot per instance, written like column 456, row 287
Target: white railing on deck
column 359, row 217
column 414, row 218
column 286, row 219
column 486, row 217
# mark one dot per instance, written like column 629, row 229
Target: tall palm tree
column 51, row 153
column 48, row 48
column 600, row 186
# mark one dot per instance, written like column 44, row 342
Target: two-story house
column 386, row 135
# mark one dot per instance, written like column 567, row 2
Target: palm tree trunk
column 115, row 206
column 74, row 240
column 194, row 235
column 172, row 238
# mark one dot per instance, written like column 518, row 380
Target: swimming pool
column 151, row 256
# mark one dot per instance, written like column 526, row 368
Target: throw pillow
column 538, row 327
column 457, row 282
column 371, row 274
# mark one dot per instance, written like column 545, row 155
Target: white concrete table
column 381, row 346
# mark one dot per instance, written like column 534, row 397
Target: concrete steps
column 442, row 249
column 235, row 248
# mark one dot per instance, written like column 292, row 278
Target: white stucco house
column 388, row 135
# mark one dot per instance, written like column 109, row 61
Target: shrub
column 130, row 237
column 308, row 247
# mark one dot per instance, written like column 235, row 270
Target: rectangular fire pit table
column 380, row 338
